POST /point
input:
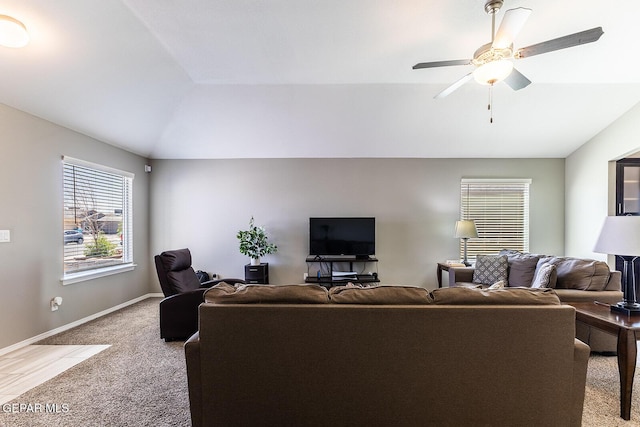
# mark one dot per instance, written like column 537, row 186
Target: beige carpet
column 602, row 399
column 138, row 381
column 141, row 380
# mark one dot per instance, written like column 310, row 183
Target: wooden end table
column 625, row 328
column 442, row 266
column 445, row 266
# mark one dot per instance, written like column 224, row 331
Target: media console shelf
column 332, row 277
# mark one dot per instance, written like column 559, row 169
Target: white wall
column 201, row 204
column 31, row 208
column 589, row 184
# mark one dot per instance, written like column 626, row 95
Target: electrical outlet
column 55, row 303
column 5, row 236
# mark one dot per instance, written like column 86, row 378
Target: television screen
column 342, row 236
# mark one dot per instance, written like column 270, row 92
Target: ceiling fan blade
column 516, row 80
column 512, row 23
column 454, row 86
column 576, row 39
column 442, row 63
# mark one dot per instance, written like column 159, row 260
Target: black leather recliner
column 183, row 294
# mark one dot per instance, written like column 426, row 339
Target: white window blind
column 98, row 215
column 500, row 209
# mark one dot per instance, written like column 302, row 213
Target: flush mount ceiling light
column 13, row 33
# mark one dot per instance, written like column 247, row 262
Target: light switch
column 5, row 236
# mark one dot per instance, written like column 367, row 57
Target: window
column 97, row 229
column 500, row 209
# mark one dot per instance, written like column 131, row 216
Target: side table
column 445, row 266
column 257, row 273
column 626, row 328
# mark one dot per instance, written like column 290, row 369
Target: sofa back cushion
column 506, row 296
column 578, row 273
column 522, row 267
column 380, row 294
column 224, row 293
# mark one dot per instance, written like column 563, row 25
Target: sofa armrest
column 615, row 281
column 179, row 314
column 460, row 274
column 580, row 362
column 194, row 378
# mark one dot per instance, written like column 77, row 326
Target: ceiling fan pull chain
column 489, row 107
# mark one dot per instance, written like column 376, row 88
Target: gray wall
column 590, row 182
column 31, row 208
column 201, row 204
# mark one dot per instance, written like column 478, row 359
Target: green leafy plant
column 101, row 247
column 254, row 241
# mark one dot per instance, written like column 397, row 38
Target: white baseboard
column 68, row 326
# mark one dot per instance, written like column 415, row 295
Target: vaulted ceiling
column 332, row 78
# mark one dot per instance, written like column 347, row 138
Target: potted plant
column 254, row 243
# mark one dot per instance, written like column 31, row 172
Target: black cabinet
column 628, row 201
column 257, row 273
column 628, row 187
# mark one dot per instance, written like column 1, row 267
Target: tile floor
column 25, row 368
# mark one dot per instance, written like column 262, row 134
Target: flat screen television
column 342, row 236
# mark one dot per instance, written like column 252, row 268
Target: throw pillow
column 490, row 269
column 498, row 285
column 545, row 276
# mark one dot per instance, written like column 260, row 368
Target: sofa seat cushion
column 490, row 269
column 506, row 296
column 224, row 293
column 576, row 295
column 380, row 294
column 578, row 273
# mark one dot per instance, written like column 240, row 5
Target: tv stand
column 333, row 279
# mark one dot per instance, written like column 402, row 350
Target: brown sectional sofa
column 270, row 355
column 576, row 280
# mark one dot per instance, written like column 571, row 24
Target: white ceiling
column 302, row 78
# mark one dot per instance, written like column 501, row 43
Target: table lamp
column 620, row 236
column 465, row 229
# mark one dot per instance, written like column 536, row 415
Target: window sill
column 72, row 278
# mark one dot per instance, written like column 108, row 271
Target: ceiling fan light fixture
column 13, row 33
column 493, row 72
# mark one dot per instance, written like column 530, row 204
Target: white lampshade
column 620, row 235
column 465, row 229
column 13, row 33
column 493, row 72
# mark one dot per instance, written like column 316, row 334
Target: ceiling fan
column 493, row 60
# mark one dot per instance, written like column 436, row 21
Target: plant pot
column 255, row 261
